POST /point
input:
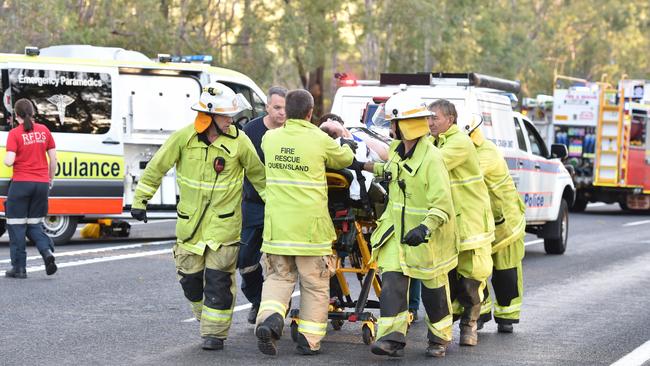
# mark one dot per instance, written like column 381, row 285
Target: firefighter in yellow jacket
column 474, row 216
column 510, row 228
column 416, row 237
column 211, row 157
column 298, row 230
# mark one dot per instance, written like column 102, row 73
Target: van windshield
column 65, row 101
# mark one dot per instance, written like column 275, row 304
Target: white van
column 109, row 111
column 542, row 180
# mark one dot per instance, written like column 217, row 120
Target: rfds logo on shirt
column 34, row 138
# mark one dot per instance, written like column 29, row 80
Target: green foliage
column 302, row 43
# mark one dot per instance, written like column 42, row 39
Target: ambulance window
column 66, row 101
column 5, row 106
column 537, row 145
column 521, row 141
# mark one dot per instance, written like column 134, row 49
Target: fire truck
column 606, row 131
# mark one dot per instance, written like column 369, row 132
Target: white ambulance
column 541, row 178
column 109, row 111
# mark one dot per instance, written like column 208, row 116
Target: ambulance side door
column 530, row 181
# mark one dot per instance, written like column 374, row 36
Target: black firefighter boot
column 388, row 345
column 303, row 347
column 468, row 326
column 212, row 344
column 268, row 333
column 48, row 259
column 16, row 272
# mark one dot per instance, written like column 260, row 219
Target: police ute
column 542, row 180
column 109, row 110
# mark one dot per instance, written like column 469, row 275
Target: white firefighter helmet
column 469, row 122
column 217, row 98
column 406, row 105
column 409, row 111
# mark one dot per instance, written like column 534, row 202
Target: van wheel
column 60, row 228
column 3, row 226
column 559, row 230
column 579, row 205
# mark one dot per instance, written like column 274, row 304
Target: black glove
column 139, row 214
column 351, row 143
column 356, row 165
column 416, row 236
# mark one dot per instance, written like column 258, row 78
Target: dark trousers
column 25, row 208
column 249, row 251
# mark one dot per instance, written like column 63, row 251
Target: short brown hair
column 298, row 103
column 332, row 116
column 446, row 107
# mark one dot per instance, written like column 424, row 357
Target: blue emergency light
column 193, row 58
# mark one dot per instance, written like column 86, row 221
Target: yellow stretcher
column 354, row 221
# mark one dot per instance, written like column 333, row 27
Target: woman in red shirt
column 26, row 205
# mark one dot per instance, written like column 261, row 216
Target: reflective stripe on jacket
column 220, row 198
column 471, row 198
column 296, row 218
column 426, row 199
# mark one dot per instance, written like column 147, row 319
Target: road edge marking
column 637, row 357
column 237, row 308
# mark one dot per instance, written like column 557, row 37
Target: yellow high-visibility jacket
column 507, row 207
column 296, row 218
column 209, row 207
column 471, row 198
column 426, row 199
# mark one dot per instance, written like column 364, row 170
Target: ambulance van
column 543, row 182
column 109, row 110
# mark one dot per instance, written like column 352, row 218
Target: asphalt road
column 118, row 303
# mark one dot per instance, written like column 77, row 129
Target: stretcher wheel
column 294, row 331
column 368, row 333
column 337, row 324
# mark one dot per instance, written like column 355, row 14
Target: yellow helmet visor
column 413, row 128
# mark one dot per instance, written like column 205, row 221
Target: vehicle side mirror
column 559, row 151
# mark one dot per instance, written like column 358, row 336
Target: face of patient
column 333, row 128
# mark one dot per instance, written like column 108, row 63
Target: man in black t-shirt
column 253, row 206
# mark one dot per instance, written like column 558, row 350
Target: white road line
column 98, row 260
column 635, row 358
column 98, row 250
column 635, row 223
column 237, row 308
column 533, row 242
column 151, row 222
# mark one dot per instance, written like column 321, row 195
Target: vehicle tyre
column 579, row 205
column 60, row 228
column 559, row 230
column 3, row 226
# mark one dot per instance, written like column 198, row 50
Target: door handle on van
column 110, row 141
column 537, row 166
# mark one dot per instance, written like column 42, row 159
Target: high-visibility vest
column 296, row 217
column 471, row 198
column 209, row 207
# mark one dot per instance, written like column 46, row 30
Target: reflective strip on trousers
column 273, row 306
column 216, row 315
column 486, row 305
column 507, row 309
column 305, row 326
column 13, row 221
column 392, row 321
column 442, row 328
column 470, row 180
